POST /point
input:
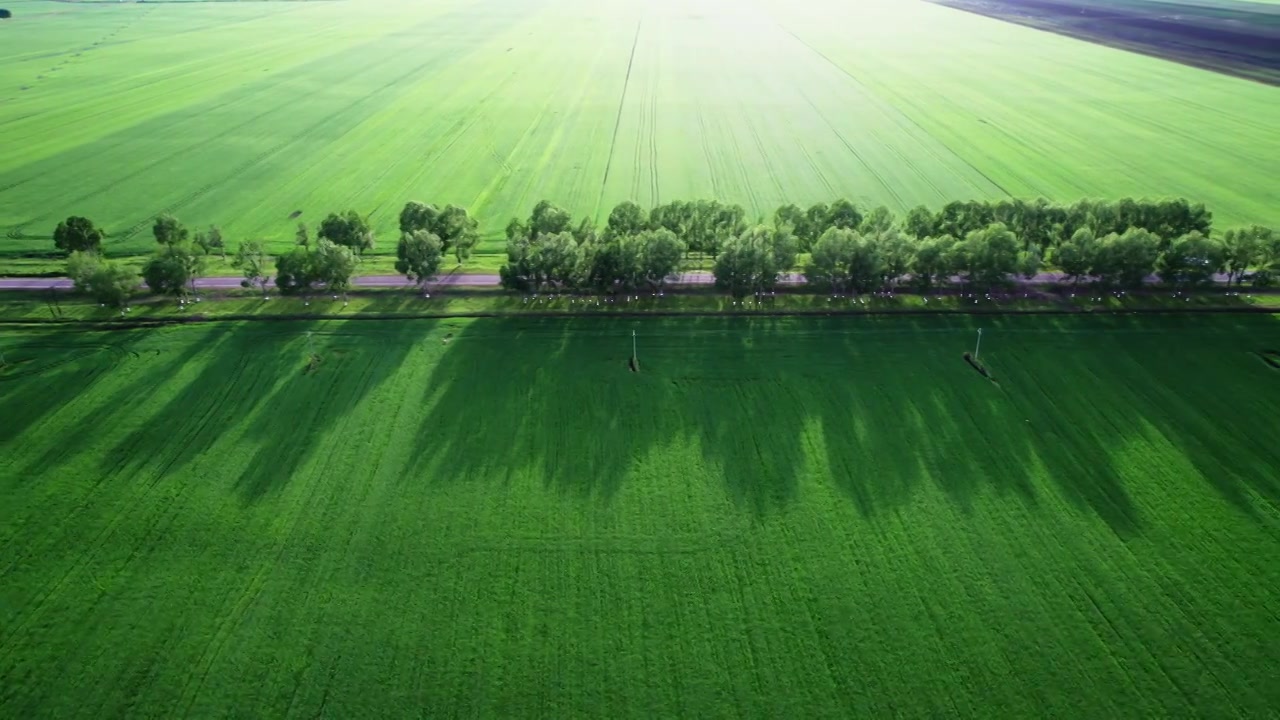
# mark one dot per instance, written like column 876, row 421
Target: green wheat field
column 773, row 518
column 245, row 114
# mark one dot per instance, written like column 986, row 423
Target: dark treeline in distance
column 843, row 248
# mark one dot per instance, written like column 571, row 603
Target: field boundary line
column 110, row 325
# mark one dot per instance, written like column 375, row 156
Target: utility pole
column 979, row 345
column 633, row 346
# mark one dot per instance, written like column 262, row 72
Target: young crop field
column 256, row 116
column 772, row 518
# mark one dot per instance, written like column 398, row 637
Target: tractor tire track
column 888, row 188
column 909, row 119
column 653, row 144
column 617, row 123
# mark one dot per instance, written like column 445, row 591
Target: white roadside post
column 979, row 345
column 633, row 347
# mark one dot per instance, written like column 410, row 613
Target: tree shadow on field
column 291, row 420
column 237, row 364
column 45, row 368
column 556, row 398
column 885, row 404
column 86, row 430
column 1201, row 386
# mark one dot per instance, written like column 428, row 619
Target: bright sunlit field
column 247, row 114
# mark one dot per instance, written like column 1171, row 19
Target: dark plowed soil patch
column 1236, row 38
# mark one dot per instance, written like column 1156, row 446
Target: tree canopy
column 253, row 262
column 168, row 231
column 347, row 229
column 77, row 234
column 418, row 255
column 109, row 283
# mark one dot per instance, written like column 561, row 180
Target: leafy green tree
column 1268, row 258
column 558, row 258
column 729, row 222
column 1029, row 261
column 251, row 258
column 745, row 265
column 958, row 219
column 334, row 265
column 844, row 214
column 108, row 283
column 417, row 216
column 81, row 265
column 1242, row 249
column 751, row 262
column 830, row 259
column 792, row 219
column 918, row 222
column 77, row 234
column 930, row 263
column 585, row 232
column 866, row 265
column 548, row 219
column 554, row 260
column 347, row 229
column 1075, row 256
column 878, row 221
column 113, row 284
column 895, row 252
column 702, row 220
column 989, row 256
column 168, row 231
column 457, row 232
column 625, row 219
column 660, row 253
column 818, row 219
column 1190, row 260
column 296, row 272
column 211, row 242
column 517, row 228
column 169, row 270
column 673, row 216
column 418, row 256
column 520, row 271
column 1126, row 260
column 614, row 264
column 302, row 238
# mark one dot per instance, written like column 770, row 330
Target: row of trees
column 852, row 250
column 849, row 249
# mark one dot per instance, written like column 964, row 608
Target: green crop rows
column 773, row 518
column 243, row 114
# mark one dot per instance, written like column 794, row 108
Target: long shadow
column 291, row 422
column 556, row 398
column 84, row 430
column 47, row 367
column 892, row 400
column 909, row 410
column 1210, row 396
column 236, row 370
